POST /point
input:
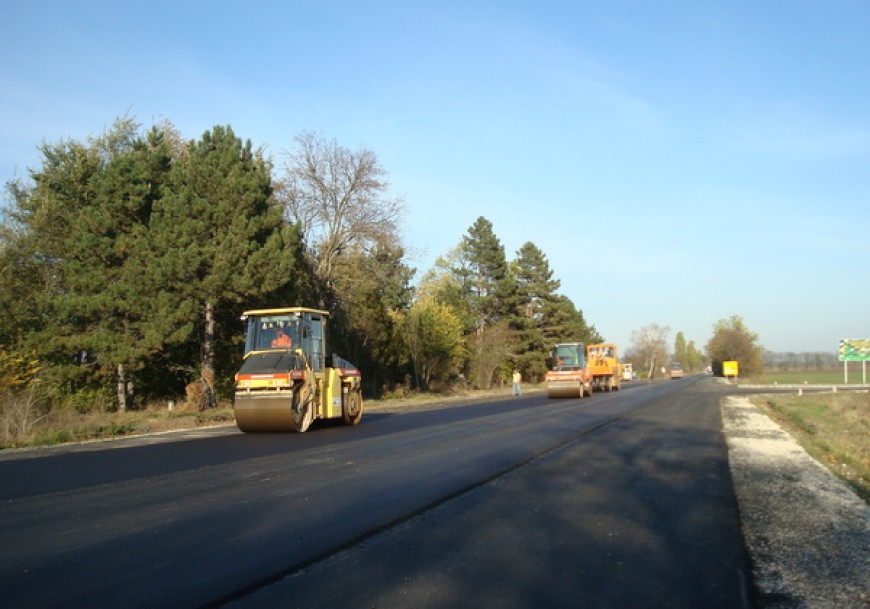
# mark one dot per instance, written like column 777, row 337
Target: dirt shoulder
column 808, row 533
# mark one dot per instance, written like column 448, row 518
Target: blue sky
column 677, row 162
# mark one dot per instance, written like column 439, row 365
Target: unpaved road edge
column 807, row 532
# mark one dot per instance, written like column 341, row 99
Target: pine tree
column 487, row 275
column 108, row 237
column 88, row 205
column 490, row 290
column 223, row 240
column 23, row 276
column 566, row 323
column 536, row 299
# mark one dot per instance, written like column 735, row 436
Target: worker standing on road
column 517, row 380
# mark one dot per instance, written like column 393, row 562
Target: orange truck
column 602, row 365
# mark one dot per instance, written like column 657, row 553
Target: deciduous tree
column 432, row 335
column 733, row 341
column 649, row 347
column 372, row 286
column 694, row 358
column 340, row 199
column 680, row 353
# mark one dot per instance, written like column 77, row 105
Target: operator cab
column 569, row 356
column 287, row 330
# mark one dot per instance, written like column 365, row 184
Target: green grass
column 811, row 377
column 832, row 427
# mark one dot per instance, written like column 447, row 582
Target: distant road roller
column 568, row 376
column 287, row 379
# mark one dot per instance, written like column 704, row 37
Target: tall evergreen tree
column 491, row 292
column 493, row 289
column 224, row 240
column 566, row 323
column 22, row 276
column 105, row 289
column 536, row 299
column 87, row 206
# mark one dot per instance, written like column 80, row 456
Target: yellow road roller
column 288, row 379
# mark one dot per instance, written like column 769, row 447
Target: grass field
column 811, row 377
column 832, row 427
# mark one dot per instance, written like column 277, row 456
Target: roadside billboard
column 854, row 350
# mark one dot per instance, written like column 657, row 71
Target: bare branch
column 339, row 198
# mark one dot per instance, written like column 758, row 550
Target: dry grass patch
column 65, row 424
column 832, row 427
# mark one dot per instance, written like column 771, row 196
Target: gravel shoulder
column 807, row 532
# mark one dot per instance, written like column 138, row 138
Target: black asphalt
column 619, row 500
column 638, row 513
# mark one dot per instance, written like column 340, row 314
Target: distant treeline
column 807, row 360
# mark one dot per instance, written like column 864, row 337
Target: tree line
column 800, row 361
column 731, row 340
column 127, row 259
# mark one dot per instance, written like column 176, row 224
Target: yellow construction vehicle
column 602, row 364
column 567, row 376
column 287, row 379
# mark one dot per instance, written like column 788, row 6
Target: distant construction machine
column 602, row 363
column 577, row 370
column 287, row 380
column 567, row 376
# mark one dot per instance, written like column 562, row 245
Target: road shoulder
column 807, row 532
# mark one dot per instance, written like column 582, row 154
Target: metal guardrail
column 800, row 388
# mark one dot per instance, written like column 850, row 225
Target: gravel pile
column 807, row 532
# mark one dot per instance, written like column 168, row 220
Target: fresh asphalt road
column 619, row 500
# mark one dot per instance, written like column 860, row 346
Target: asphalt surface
column 621, row 500
column 637, row 513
